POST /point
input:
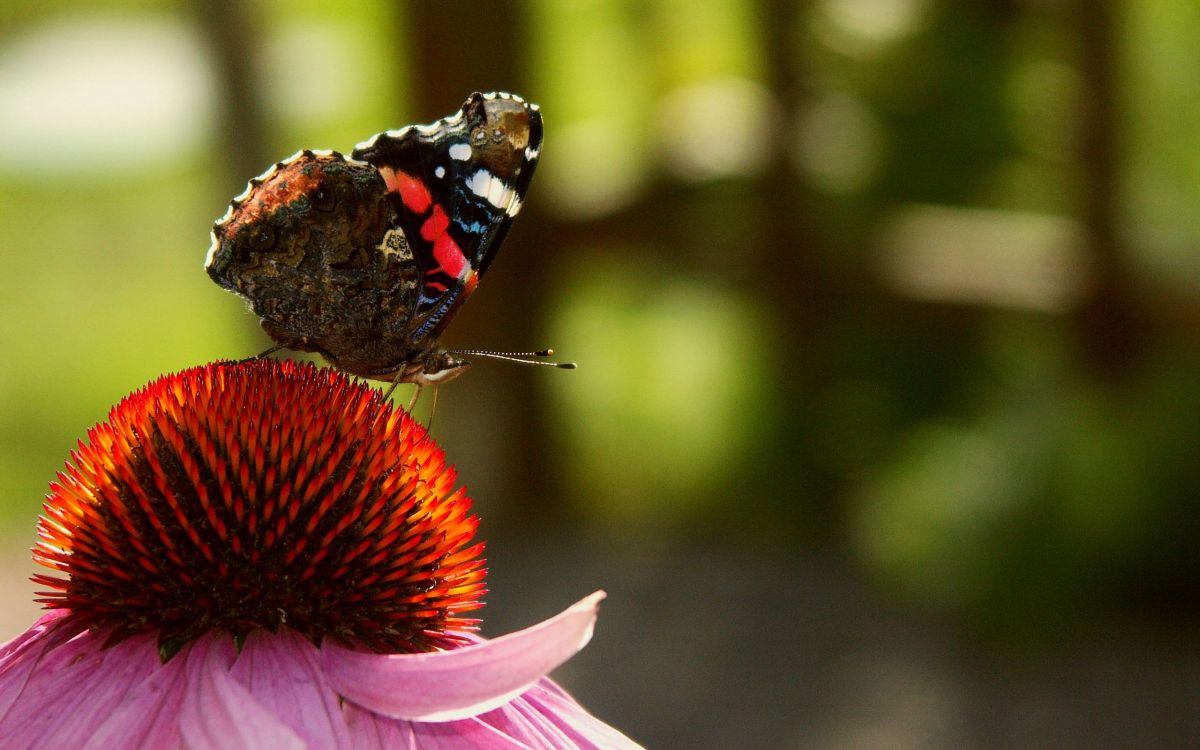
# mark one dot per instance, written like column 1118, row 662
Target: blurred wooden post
column 796, row 284
column 231, row 31
column 455, row 49
column 1110, row 327
column 786, row 258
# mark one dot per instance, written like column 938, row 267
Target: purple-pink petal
column 370, row 731
column 464, row 682
column 374, row 732
column 20, row 656
column 60, row 687
column 283, row 673
column 469, row 734
column 519, row 719
column 582, row 729
column 542, row 718
column 221, row 714
column 148, row 714
column 68, row 689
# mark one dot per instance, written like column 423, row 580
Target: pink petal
column 148, row 714
column 220, row 714
column 583, row 729
column 21, row 655
column 283, row 673
column 74, row 686
column 542, row 718
column 370, row 731
column 39, row 631
column 462, row 682
column 469, row 734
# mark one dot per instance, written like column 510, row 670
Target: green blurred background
column 887, row 315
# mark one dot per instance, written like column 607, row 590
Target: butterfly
column 366, row 259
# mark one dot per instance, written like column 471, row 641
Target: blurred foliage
column 617, row 409
column 709, row 231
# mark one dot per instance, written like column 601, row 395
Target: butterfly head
column 434, row 368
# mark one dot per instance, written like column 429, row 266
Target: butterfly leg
column 432, row 407
column 387, row 394
column 412, row 402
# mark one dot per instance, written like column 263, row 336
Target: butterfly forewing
column 457, row 184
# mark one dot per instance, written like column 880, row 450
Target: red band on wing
column 411, row 190
column 448, row 254
column 435, row 225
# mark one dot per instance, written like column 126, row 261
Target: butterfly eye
column 263, row 238
column 479, row 136
column 497, row 135
column 324, row 198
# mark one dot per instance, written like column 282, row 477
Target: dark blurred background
column 887, row 315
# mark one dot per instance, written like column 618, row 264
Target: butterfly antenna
column 524, row 358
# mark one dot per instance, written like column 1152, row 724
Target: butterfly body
column 365, row 259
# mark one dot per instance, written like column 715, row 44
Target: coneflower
column 269, row 555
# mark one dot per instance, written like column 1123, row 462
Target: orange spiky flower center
column 261, row 495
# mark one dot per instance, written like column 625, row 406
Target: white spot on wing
column 498, row 193
column 486, row 185
column 440, row 172
column 479, row 183
column 460, row 151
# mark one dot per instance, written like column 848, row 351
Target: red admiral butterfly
column 364, row 260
